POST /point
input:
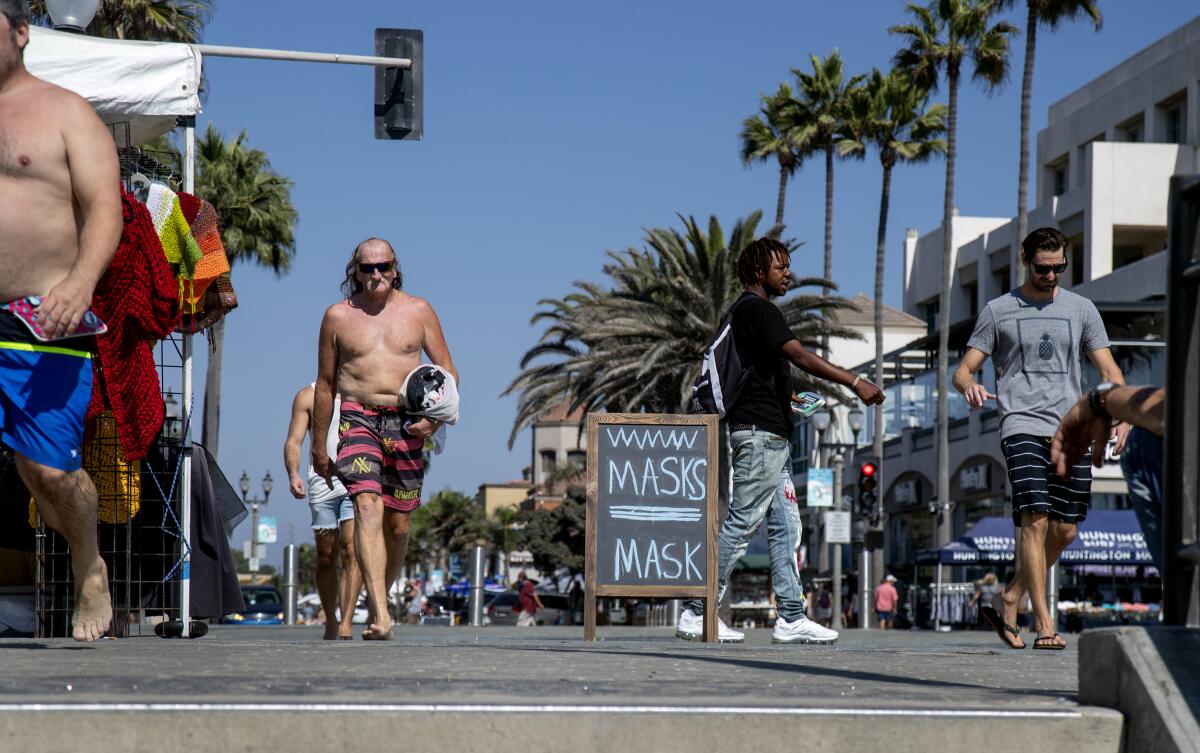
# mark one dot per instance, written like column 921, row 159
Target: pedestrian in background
column 985, row 590
column 886, row 599
column 528, row 601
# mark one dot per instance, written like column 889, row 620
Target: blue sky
column 555, row 132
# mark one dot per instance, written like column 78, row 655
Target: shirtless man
column 332, row 521
column 60, row 222
column 368, row 345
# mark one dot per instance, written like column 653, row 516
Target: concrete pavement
column 478, row 688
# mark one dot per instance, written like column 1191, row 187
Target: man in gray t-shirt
column 1037, row 335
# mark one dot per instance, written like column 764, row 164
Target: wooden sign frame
column 593, row 590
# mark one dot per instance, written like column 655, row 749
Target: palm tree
column 768, row 135
column 257, row 226
column 1052, row 13
column 637, row 345
column 146, row 20
column 942, row 35
column 819, row 121
column 890, row 113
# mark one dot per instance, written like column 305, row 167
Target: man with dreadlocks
column 368, row 345
column 760, row 422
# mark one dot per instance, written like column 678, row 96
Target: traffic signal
column 399, row 92
column 867, row 483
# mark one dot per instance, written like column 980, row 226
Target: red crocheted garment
column 138, row 298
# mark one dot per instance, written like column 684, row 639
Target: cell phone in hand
column 807, row 403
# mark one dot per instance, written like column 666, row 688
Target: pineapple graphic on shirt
column 1045, row 348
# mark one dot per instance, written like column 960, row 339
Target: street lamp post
column 244, row 485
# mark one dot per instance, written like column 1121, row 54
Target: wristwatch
column 1097, row 397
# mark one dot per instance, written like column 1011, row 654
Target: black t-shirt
column 759, row 331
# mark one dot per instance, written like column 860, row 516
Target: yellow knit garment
column 118, row 484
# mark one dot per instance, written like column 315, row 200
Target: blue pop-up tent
column 1106, row 537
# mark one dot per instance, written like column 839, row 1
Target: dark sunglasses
column 382, row 267
column 1041, row 269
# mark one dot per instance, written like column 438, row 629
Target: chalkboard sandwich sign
column 651, row 511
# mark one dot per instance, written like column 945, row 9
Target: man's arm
column 810, row 362
column 434, row 344
column 1102, row 359
column 964, row 378
column 95, row 177
column 323, row 394
column 1081, row 428
column 301, row 408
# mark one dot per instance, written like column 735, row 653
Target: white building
column 1104, row 162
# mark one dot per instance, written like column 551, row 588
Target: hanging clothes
column 178, row 244
column 138, row 299
column 202, row 219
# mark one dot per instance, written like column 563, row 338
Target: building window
column 548, row 460
column 1060, row 180
column 973, row 298
column 1172, row 119
column 1175, row 123
column 1131, row 130
column 931, row 316
column 1001, row 280
column 577, row 458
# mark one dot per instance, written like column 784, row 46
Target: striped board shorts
column 1036, row 488
column 376, row 455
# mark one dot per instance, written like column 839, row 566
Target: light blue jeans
column 760, row 462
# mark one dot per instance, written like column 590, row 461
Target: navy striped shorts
column 1035, row 487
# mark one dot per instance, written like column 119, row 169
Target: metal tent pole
column 185, row 481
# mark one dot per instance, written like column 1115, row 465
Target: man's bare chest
column 28, row 149
column 381, row 336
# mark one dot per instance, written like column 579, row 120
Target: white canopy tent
column 147, row 84
column 152, row 86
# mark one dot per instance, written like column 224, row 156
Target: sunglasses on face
column 382, row 267
column 1042, row 269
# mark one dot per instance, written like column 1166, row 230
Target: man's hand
column 63, row 307
column 868, row 392
column 423, row 428
column 1121, row 432
column 297, row 486
column 323, row 466
column 976, row 395
column 1078, row 430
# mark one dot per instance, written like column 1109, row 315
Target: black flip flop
column 1047, row 643
column 993, row 618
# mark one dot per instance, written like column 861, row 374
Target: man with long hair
column 368, row 345
column 60, row 222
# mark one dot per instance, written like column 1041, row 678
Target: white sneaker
column 803, row 630
column 691, row 628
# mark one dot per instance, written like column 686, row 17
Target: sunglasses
column 1041, row 269
column 382, row 267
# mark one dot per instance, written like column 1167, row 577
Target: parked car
column 264, row 606
column 504, row 608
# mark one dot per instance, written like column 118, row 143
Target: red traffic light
column 867, row 470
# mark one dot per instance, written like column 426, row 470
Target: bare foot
column 93, row 609
column 331, row 632
column 378, row 632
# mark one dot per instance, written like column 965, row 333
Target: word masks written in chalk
column 681, row 474
column 654, row 560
